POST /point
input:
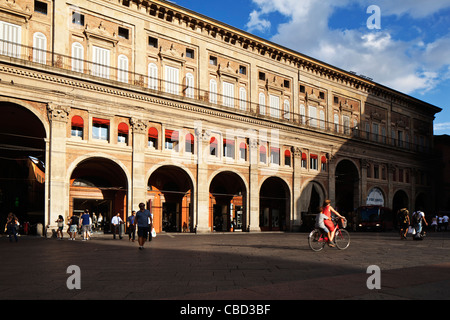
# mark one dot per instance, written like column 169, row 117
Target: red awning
column 287, row 153
column 100, row 121
column 77, row 121
column 189, row 138
column 153, row 133
column 172, row 134
column 272, row 149
column 213, row 141
column 243, row 145
column 304, row 156
column 123, row 128
column 228, row 142
column 313, row 156
column 324, row 159
column 262, row 149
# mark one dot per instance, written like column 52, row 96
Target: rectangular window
column 40, row 7
column 262, row 76
column 314, row 162
column 77, row 132
column 190, row 53
column 242, row 70
column 274, row 106
column 213, row 60
column 124, row 33
column 275, row 156
column 78, row 18
column 313, row 116
column 100, row 62
column 228, row 148
column 10, row 39
column 153, row 42
column 228, row 94
column 100, row 129
column 172, row 80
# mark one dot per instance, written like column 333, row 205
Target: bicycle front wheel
column 315, row 241
column 342, row 239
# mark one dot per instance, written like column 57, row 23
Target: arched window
column 189, row 143
column 122, row 133
column 262, row 103
column 77, row 127
column 39, row 48
column 287, row 158
column 213, row 147
column 77, row 57
column 189, row 85
column 122, row 72
column 287, row 110
column 152, row 76
column 242, row 98
column 212, row 91
column 153, row 137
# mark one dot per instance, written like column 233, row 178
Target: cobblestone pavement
column 234, row 266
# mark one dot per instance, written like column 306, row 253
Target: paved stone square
column 234, row 266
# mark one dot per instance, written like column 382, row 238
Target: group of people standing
column 141, row 219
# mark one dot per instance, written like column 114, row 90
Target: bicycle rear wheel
column 315, row 241
column 342, row 239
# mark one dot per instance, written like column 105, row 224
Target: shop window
column 189, row 143
column 122, row 133
column 171, row 140
column 77, row 127
column 100, row 129
column 153, row 138
column 287, row 158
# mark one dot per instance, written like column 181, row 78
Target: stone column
column 201, row 218
column 57, row 185
column 296, row 211
column 253, row 192
column 138, row 179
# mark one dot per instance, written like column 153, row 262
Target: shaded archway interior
column 274, row 205
column 22, row 164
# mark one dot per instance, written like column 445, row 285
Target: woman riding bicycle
column 327, row 210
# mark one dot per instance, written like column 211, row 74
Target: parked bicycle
column 317, row 238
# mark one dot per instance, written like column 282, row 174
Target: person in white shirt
column 116, row 222
column 445, row 222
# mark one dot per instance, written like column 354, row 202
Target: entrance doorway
column 100, row 185
column 227, row 195
column 170, row 189
column 347, row 187
column 22, row 165
column 274, row 204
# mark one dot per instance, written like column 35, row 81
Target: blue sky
column 410, row 52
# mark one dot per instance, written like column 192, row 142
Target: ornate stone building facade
column 129, row 101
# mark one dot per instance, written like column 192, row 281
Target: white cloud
column 443, row 126
column 407, row 66
column 256, row 23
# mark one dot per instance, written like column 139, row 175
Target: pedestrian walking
column 404, row 222
column 131, row 228
column 116, row 221
column 85, row 224
column 73, row 226
column 144, row 222
column 60, row 225
column 440, row 222
column 434, row 223
column 12, row 223
column 418, row 219
column 445, row 221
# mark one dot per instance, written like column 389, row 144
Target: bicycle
column 317, row 238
